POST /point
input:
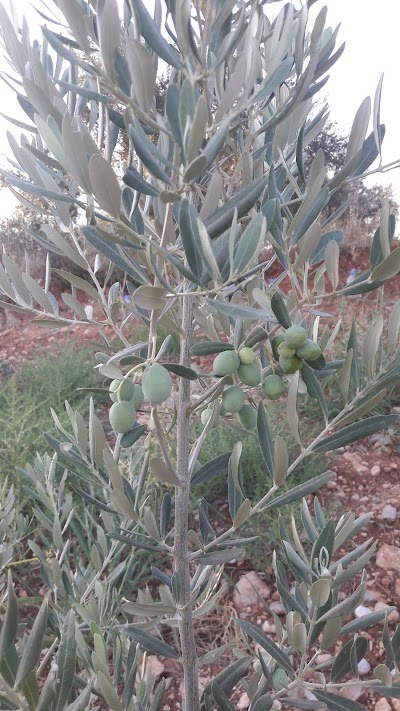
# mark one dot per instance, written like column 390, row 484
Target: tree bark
column 181, row 552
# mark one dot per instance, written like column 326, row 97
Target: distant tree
column 333, row 144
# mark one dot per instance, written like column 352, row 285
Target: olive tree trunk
column 181, row 549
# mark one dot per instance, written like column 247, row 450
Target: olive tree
column 166, row 213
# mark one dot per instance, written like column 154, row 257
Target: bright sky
column 371, row 34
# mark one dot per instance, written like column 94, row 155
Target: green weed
column 256, row 481
column 25, row 401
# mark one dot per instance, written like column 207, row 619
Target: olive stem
column 182, row 498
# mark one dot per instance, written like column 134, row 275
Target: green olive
column 273, row 387
column 122, row 416
column 138, row 396
column 226, row 363
column 290, row 365
column 250, row 374
column 295, row 336
column 309, row 350
column 233, row 398
column 246, row 355
column 248, row 417
column 121, row 390
column 285, row 351
column 156, row 384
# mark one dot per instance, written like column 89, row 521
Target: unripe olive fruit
column 290, row 365
column 275, row 343
column 285, row 350
column 206, row 415
column 267, row 371
column 295, row 336
column 249, row 374
column 156, row 384
column 113, row 387
column 122, row 416
column 246, row 355
column 226, row 363
column 233, row 398
column 127, row 390
column 121, row 390
column 273, row 387
column 248, row 417
column 309, row 350
column 138, row 396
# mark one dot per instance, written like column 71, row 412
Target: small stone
column 277, row 608
column 243, row 703
column 361, row 610
column 388, row 557
column 268, row 627
column 245, row 592
column 382, row 705
column 155, row 666
column 364, row 666
column 356, row 461
column 372, row 595
column 392, row 617
column 389, row 513
column 375, row 470
column 352, row 692
column 393, row 465
column 203, row 682
column 397, row 587
column 396, row 704
column 276, row 706
column 353, row 458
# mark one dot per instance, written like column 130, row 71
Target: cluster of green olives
column 289, row 349
column 292, row 347
column 128, row 397
column 241, row 362
column 233, row 398
column 122, row 413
